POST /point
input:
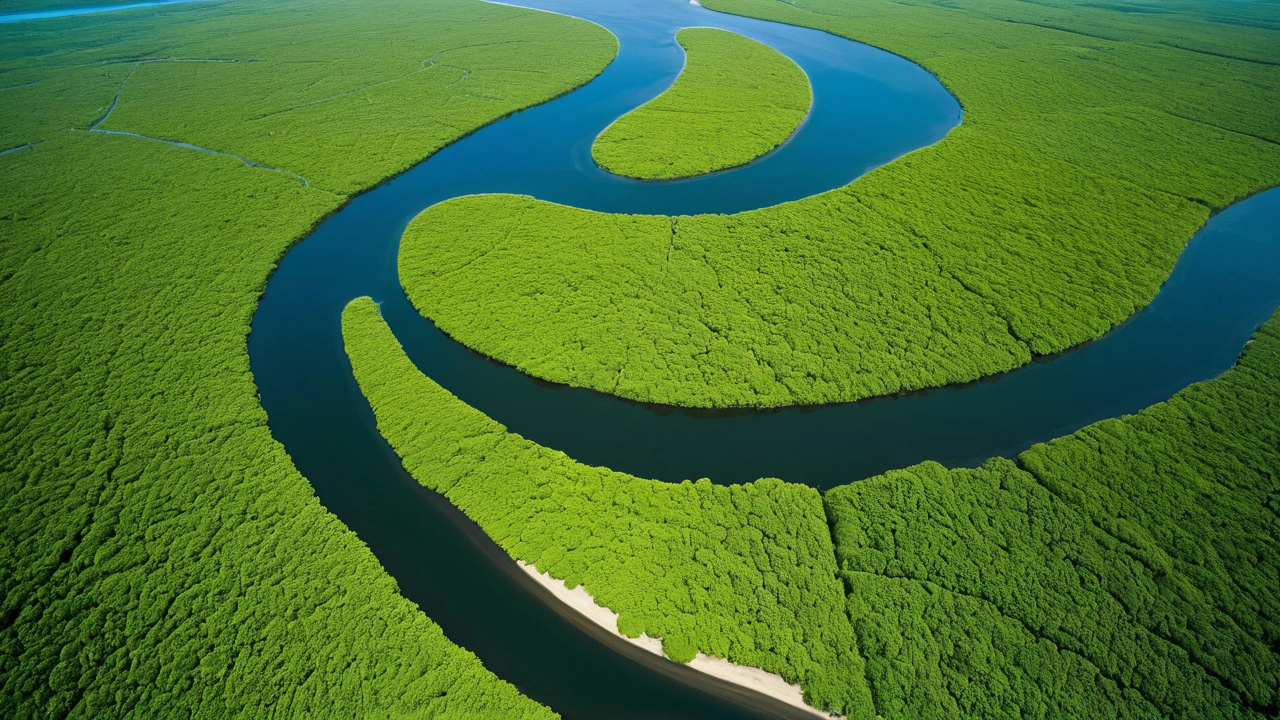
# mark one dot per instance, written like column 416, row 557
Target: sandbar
column 765, row 683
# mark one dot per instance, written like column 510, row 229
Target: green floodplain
column 161, row 556
column 735, row 100
column 1127, row 570
column 1054, row 212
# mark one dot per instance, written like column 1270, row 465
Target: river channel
column 869, row 108
column 73, row 11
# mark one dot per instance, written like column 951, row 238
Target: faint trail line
column 15, row 87
column 845, row 588
column 424, row 66
column 189, row 146
column 250, row 163
column 114, row 100
column 1195, row 657
column 136, row 64
column 20, row 147
column 1059, row 29
column 1220, row 127
column 1220, row 55
column 124, row 61
column 938, row 258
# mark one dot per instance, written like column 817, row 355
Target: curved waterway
column 73, row 11
column 869, row 107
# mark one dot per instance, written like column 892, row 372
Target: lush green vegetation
column 160, row 556
column 700, row 310
column 1129, row 570
column 1124, row 571
column 735, row 100
column 743, row 572
column 1086, row 160
column 332, row 97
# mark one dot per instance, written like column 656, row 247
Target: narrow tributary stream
column 869, row 107
column 82, row 10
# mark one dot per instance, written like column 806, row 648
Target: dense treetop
column 1086, row 159
column 160, row 555
column 735, row 100
column 743, row 572
column 322, row 90
column 1128, row 570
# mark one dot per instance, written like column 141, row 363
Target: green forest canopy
column 163, row 556
column 1088, row 156
column 743, row 572
column 160, row 555
column 735, row 100
column 1127, row 570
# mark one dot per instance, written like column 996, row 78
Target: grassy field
column 1128, row 570
column 735, row 100
column 160, row 555
column 1087, row 158
column 744, row 573
column 329, row 96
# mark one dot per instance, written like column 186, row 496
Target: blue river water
column 1225, row 284
column 70, row 11
column 869, row 108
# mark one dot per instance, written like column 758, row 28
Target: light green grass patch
column 735, row 100
column 762, row 308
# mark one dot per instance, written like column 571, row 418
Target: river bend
column 869, row 107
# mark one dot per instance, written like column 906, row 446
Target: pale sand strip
column 765, row 683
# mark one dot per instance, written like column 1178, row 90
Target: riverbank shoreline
column 754, row 679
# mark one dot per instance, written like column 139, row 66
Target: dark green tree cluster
column 1129, row 570
column 1239, row 31
column 332, row 96
column 707, row 310
column 743, row 572
column 1085, row 162
column 159, row 555
column 735, row 100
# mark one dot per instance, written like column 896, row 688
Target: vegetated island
column 735, row 100
column 1127, row 570
column 1090, row 153
column 745, row 573
column 160, row 555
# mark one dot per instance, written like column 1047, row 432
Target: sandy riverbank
column 765, row 683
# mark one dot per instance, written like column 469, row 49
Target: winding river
column 870, row 107
column 73, row 11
